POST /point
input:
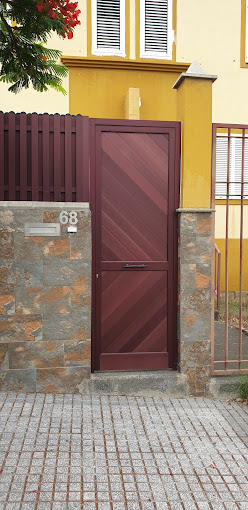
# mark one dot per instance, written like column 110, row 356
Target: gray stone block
column 61, row 380
column 6, row 245
column 66, row 272
column 74, row 325
column 29, row 273
column 26, row 355
column 28, row 247
column 19, row 380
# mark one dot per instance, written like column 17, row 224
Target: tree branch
column 12, row 37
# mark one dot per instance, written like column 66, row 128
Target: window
column 235, row 165
column 108, row 27
column 156, row 34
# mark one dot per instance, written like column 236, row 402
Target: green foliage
column 24, row 58
column 243, row 387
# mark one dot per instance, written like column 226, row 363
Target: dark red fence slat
column 68, row 165
column 56, row 162
column 11, row 151
column 44, row 157
column 45, row 154
column 1, row 156
column 79, row 158
column 23, row 156
column 86, row 162
column 34, row 155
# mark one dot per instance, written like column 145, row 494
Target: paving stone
column 51, row 467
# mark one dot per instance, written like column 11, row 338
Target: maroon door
column 134, row 196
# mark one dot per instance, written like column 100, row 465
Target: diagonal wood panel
column 130, row 177
column 155, row 246
column 130, row 151
column 130, row 229
column 130, row 302
column 131, row 200
column 158, row 166
column 141, row 318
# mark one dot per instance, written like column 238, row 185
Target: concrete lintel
column 44, row 205
column 193, row 211
column 212, row 77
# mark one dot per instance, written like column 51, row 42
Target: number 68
column 70, row 217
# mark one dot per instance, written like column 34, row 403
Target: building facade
column 135, row 60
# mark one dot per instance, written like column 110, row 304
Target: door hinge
column 97, row 275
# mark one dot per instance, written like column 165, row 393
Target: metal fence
column 44, row 157
column 230, row 194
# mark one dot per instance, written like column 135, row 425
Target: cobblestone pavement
column 122, row 453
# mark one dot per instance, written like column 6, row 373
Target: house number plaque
column 68, row 217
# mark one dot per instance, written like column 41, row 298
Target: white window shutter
column 221, row 167
column 156, row 34
column 108, row 27
column 237, row 171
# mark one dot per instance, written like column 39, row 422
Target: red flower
column 70, row 35
column 44, row 58
column 40, row 6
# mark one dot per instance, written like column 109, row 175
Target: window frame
column 108, row 51
column 156, row 54
column 232, row 169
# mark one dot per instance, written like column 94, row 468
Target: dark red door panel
column 134, row 320
column 134, row 196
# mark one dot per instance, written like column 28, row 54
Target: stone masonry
column 194, row 322
column 45, row 300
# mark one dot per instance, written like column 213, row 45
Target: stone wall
column 195, row 299
column 45, row 300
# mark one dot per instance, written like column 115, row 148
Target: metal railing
column 229, row 183
column 217, row 278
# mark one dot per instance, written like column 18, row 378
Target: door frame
column 95, row 148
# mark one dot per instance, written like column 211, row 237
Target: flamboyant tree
column 25, row 27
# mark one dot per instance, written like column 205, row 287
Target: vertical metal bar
column 214, row 132
column 68, row 161
column 218, row 282
column 226, row 246
column 12, row 153
column 1, row 156
column 56, row 162
column 215, row 270
column 34, row 155
column 23, row 157
column 241, row 247
column 45, row 157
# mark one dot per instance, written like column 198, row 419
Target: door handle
column 135, row 266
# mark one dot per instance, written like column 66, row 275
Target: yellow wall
column 207, row 31
column 211, row 33
column 233, row 264
column 194, row 110
column 234, row 244
column 101, row 93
